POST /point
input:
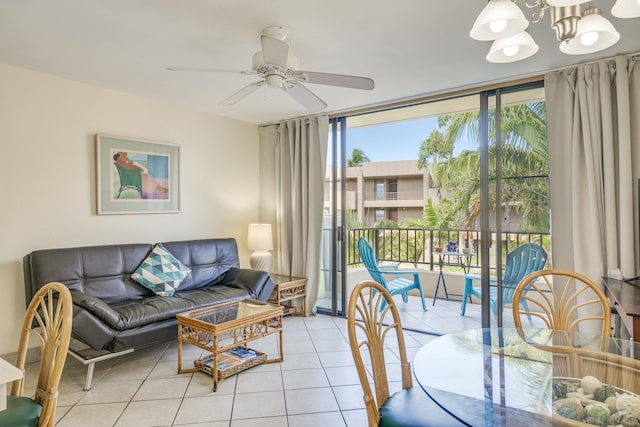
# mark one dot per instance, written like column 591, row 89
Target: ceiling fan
column 276, row 68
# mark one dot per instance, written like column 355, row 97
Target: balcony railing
column 416, row 245
column 394, row 195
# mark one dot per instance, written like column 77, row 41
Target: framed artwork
column 137, row 176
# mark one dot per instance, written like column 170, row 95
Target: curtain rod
column 629, row 55
column 439, row 96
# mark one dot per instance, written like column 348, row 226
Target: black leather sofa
column 112, row 312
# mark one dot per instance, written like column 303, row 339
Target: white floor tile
column 149, row 413
column 201, row 384
column 349, row 397
column 102, row 415
column 110, row 392
column 305, row 378
column 258, row 405
column 309, row 401
column 261, row 422
column 357, row 418
column 333, row 419
column 205, row 409
column 300, row 361
column 162, row 388
column 342, row 375
column 252, row 382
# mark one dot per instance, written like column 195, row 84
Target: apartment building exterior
column 392, row 190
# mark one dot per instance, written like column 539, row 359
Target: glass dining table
column 507, row 377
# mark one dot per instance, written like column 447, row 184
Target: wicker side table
column 289, row 288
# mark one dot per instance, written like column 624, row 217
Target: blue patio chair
column 397, row 286
column 523, row 260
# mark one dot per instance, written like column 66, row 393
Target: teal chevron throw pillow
column 161, row 272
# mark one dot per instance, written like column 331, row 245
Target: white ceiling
column 409, row 47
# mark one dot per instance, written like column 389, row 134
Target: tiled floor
column 316, row 385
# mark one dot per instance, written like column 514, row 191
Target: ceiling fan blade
column 242, row 93
column 275, row 51
column 305, row 97
column 209, row 70
column 342, row 80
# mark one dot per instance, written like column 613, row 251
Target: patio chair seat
column 399, row 285
column 521, row 261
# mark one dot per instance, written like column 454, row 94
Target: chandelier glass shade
column 512, row 48
column 580, row 30
column 626, row 9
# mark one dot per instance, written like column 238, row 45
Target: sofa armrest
column 258, row 283
column 97, row 308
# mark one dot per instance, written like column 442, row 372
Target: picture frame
column 135, row 176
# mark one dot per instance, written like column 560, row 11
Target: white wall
column 47, row 177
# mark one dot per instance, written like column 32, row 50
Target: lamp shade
column 259, row 237
column 511, row 49
column 626, row 9
column 498, row 19
column 594, row 33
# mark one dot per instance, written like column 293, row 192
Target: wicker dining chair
column 48, row 319
column 564, row 300
column 368, row 327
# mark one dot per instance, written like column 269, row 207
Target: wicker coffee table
column 226, row 327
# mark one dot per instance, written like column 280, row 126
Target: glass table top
column 495, row 377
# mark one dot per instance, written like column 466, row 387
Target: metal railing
column 416, row 245
column 394, row 195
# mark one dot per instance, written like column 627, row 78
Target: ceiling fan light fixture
column 594, row 33
column 274, row 81
column 498, row 19
column 563, row 3
column 258, row 60
column 626, row 9
column 565, row 21
column 513, row 48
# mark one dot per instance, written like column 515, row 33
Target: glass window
column 379, row 216
column 378, row 189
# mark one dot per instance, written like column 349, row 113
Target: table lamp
column 260, row 241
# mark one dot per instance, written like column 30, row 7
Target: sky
column 391, row 141
column 396, row 140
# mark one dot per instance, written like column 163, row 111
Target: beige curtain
column 300, row 148
column 594, row 158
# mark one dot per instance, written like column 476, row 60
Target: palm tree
column 357, row 158
column 523, row 155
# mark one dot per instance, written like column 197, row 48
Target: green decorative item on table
column 590, row 402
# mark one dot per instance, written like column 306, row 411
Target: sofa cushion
column 161, row 272
column 100, row 271
column 136, row 313
column 208, row 259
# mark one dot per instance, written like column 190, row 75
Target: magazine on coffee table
column 231, row 358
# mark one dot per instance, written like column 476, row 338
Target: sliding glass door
column 332, row 293
column 470, row 169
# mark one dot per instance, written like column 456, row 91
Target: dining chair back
column 398, row 285
column 564, row 300
column 48, row 319
column 369, row 325
column 521, row 261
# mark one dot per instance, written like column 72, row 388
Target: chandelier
column 579, row 30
